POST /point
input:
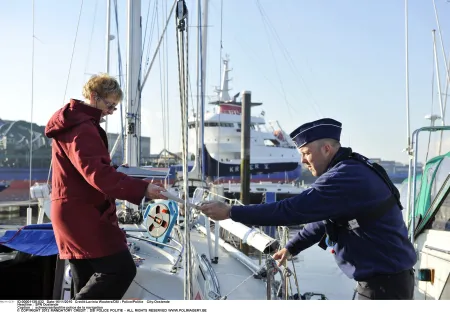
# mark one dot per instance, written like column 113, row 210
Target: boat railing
column 179, row 249
column 238, row 235
column 412, row 172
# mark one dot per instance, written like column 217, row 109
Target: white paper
column 175, row 197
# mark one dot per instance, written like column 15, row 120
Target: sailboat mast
column 203, row 46
column 133, row 91
column 409, row 148
column 108, row 31
column 408, row 126
column 29, row 209
column 438, row 80
column 442, row 103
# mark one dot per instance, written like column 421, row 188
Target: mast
column 133, row 90
column 29, row 209
column 203, row 47
column 223, row 94
column 108, row 31
column 442, row 103
column 198, row 170
column 438, row 78
column 146, row 74
column 409, row 148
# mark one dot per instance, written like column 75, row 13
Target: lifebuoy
column 158, row 220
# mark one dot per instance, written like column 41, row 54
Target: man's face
column 316, row 157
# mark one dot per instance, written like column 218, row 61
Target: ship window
column 252, row 126
column 268, row 142
column 441, row 220
column 218, row 124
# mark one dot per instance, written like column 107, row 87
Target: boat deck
column 316, row 271
column 230, row 273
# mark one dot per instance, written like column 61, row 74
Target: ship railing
column 248, row 244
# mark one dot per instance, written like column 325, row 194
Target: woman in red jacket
column 84, row 189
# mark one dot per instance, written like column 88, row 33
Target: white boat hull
column 434, row 253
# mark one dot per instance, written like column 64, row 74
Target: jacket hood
column 69, row 116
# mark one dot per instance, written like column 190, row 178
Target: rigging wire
column 265, row 23
column 432, row 103
column 120, row 70
column 166, row 52
column 152, row 29
column 70, row 68
column 73, row 49
column 182, row 38
column 90, row 39
column 31, row 109
column 289, row 59
column 162, row 82
column 146, row 25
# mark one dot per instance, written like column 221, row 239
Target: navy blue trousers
column 398, row 286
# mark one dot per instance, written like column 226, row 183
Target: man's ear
column 327, row 148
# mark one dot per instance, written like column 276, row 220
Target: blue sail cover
column 35, row 239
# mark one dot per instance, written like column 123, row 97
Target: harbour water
column 17, row 215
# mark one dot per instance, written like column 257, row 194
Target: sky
column 304, row 60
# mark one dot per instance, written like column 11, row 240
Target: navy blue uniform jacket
column 377, row 247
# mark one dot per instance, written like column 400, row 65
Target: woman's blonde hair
column 104, row 86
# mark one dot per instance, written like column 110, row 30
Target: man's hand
column 281, row 255
column 154, row 192
column 216, row 210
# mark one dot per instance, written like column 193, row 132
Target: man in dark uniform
column 352, row 207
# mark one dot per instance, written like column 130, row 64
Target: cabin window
column 252, row 126
column 216, row 124
column 441, row 220
column 270, row 142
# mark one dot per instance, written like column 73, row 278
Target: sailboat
column 426, row 197
column 175, row 258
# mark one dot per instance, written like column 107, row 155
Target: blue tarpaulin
column 35, row 239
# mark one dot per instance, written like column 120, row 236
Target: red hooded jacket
column 85, row 185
